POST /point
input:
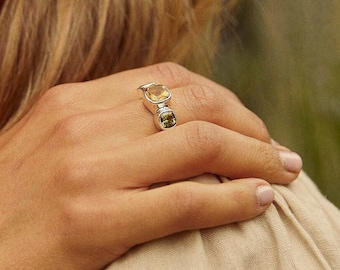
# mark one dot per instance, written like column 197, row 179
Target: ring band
column 156, row 98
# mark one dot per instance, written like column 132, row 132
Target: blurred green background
column 282, row 58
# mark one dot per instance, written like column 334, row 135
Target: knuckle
column 204, row 99
column 262, row 132
column 243, row 207
column 73, row 217
column 70, row 130
column 57, row 96
column 270, row 160
column 72, row 170
column 241, row 199
column 172, row 73
column 234, row 97
column 203, row 139
column 186, row 205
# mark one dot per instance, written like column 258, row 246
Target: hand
column 76, row 170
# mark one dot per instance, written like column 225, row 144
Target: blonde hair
column 46, row 42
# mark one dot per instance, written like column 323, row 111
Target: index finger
column 125, row 83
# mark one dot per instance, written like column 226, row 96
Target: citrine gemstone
column 167, row 119
column 158, row 93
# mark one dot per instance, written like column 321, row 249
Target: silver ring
column 156, row 98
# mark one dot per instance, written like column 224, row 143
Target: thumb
column 188, row 205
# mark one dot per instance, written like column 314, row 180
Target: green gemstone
column 167, row 119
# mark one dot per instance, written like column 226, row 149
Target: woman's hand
column 76, row 170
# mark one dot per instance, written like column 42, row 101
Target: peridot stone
column 167, row 119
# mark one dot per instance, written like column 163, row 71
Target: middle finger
column 191, row 103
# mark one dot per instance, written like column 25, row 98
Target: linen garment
column 300, row 230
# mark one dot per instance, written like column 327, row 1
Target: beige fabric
column 301, row 230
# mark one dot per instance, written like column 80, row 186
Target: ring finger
column 191, row 103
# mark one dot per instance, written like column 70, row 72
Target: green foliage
column 283, row 60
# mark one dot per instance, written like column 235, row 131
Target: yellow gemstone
column 158, row 93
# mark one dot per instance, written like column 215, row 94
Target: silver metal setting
column 158, row 105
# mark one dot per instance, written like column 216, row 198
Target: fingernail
column 265, row 195
column 291, row 161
